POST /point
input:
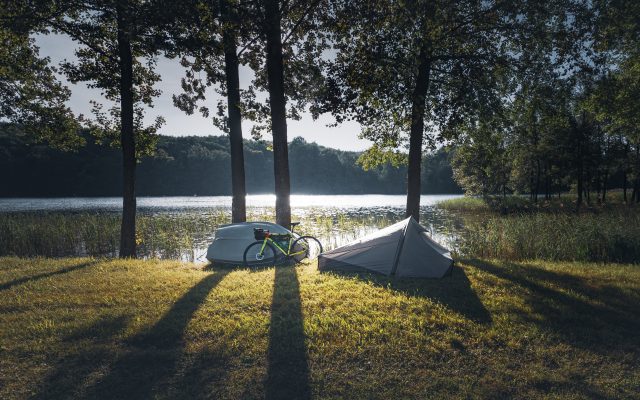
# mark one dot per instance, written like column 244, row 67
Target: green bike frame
column 287, row 253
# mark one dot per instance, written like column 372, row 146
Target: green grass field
column 91, row 328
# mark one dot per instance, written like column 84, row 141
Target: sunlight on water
column 177, row 203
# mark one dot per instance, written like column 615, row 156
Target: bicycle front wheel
column 255, row 255
column 306, row 247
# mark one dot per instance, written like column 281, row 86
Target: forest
column 191, row 165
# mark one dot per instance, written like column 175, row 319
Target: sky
column 178, row 123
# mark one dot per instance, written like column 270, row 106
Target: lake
column 182, row 227
column 184, row 203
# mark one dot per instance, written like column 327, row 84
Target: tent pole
column 399, row 249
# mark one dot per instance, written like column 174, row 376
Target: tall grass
column 182, row 235
column 463, row 204
column 469, row 227
column 58, row 234
column 611, row 236
column 520, row 204
column 85, row 234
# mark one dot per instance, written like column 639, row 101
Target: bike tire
column 311, row 247
column 252, row 258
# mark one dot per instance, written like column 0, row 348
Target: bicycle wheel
column 256, row 256
column 306, row 247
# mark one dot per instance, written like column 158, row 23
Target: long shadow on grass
column 454, row 291
column 577, row 310
column 152, row 356
column 73, row 371
column 25, row 279
column 288, row 369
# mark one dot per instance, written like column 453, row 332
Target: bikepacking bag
column 259, row 233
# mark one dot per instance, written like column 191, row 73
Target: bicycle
column 270, row 247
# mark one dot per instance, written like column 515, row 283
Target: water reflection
column 182, row 203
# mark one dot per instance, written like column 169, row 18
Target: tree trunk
column 537, row 185
column 531, row 184
column 127, row 138
column 587, row 194
column 624, row 171
column 605, row 182
column 418, row 105
column 580, row 172
column 238, row 203
column 547, row 182
column 624, row 186
column 636, row 188
column 598, row 188
column 580, row 189
column 277, row 102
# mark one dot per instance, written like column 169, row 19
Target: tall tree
column 230, row 21
column 206, row 36
column 277, row 106
column 615, row 102
column 30, row 94
column 127, row 139
column 116, row 54
column 286, row 60
column 402, row 66
column 277, row 42
column 408, row 71
column 616, row 99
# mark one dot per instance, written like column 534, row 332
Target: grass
column 611, row 236
column 519, row 229
column 469, row 226
column 93, row 328
column 468, row 204
column 59, row 234
column 513, row 204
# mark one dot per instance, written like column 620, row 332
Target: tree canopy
column 30, row 94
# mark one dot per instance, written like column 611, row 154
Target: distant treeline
column 193, row 165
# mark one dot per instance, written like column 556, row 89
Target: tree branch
column 302, row 18
column 252, row 41
column 62, row 28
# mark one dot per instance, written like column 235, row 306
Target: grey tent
column 232, row 239
column 403, row 249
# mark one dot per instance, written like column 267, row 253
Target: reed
column 35, row 234
column 98, row 234
column 468, row 226
column 473, row 204
column 514, row 204
column 611, row 236
column 183, row 235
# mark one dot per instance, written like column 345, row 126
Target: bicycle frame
column 287, row 253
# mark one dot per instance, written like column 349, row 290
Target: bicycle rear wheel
column 257, row 256
column 306, row 247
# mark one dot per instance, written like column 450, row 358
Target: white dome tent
column 403, row 249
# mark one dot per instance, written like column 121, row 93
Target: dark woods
column 185, row 166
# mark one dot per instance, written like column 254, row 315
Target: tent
column 403, row 249
column 231, row 240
